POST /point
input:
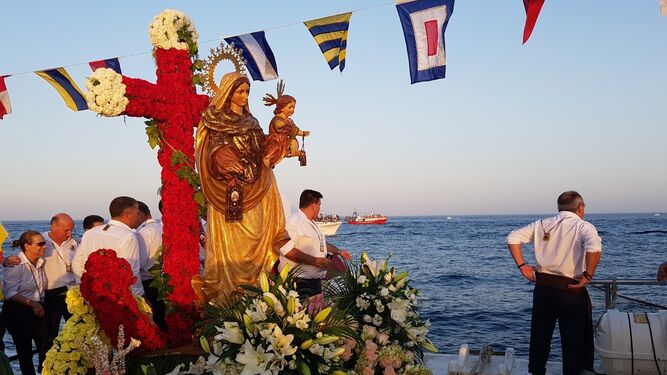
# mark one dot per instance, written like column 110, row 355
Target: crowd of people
column 35, row 281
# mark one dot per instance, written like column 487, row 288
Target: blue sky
column 580, row 106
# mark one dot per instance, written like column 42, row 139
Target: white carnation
column 165, row 27
column 106, row 92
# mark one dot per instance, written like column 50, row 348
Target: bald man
column 60, row 250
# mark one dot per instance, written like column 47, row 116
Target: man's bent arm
column 527, row 271
column 592, row 260
column 299, row 257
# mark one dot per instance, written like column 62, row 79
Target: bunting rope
column 201, row 43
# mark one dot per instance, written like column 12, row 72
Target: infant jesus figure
column 282, row 129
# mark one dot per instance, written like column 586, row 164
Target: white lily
column 399, row 310
column 231, row 333
column 255, row 361
column 281, row 344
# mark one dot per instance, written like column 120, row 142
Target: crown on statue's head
column 222, row 52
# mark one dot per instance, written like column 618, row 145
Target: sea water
column 472, row 291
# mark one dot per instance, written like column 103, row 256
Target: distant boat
column 366, row 219
column 328, row 224
column 656, row 214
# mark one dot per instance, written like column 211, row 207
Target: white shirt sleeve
column 591, row 240
column 11, row 280
column 132, row 256
column 522, row 235
column 294, row 233
column 79, row 261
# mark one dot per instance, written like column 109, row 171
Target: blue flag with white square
column 260, row 62
column 424, row 23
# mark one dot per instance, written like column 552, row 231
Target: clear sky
column 580, row 106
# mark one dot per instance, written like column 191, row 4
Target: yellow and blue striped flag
column 68, row 90
column 330, row 34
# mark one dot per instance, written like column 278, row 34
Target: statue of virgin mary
column 246, row 223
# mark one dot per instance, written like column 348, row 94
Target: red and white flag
column 5, row 104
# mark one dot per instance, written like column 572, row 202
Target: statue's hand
column 226, row 164
column 306, row 133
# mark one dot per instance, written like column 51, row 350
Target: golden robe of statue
column 230, row 150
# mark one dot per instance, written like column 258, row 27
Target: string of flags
column 423, row 21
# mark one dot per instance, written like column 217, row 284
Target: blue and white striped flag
column 259, row 58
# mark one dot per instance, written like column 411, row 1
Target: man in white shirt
column 60, row 250
column 567, row 251
column 118, row 235
column 149, row 234
column 307, row 247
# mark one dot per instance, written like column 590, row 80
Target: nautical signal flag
column 533, row 8
column 5, row 104
column 68, row 90
column 424, row 23
column 259, row 58
column 330, row 34
column 108, row 63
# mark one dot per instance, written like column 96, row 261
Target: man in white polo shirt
column 307, row 247
column 118, row 235
column 567, row 251
column 60, row 250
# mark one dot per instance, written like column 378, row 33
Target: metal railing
column 610, row 288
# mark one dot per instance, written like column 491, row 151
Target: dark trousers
column 25, row 328
column 55, row 308
column 308, row 287
column 151, row 295
column 553, row 301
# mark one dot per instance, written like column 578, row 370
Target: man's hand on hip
column 528, row 272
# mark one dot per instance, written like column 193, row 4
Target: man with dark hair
column 118, row 235
column 149, row 234
column 309, row 197
column 307, row 247
column 91, row 221
column 567, row 251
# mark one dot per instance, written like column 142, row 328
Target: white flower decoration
column 164, row 30
column 106, row 92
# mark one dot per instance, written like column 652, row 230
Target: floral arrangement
column 96, row 349
column 105, row 285
column 173, row 29
column 385, row 308
column 65, row 356
column 268, row 330
column 173, row 107
column 106, row 92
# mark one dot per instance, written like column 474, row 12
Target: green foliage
column 178, row 157
column 153, row 133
